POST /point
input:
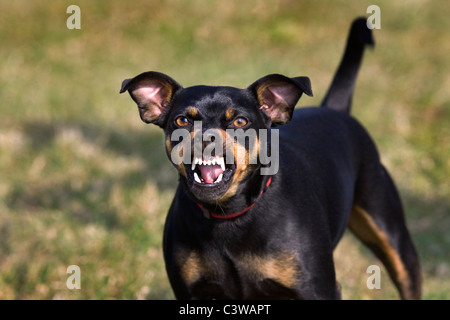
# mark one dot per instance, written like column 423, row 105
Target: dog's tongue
column 210, row 173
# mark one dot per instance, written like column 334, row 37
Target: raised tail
column 339, row 96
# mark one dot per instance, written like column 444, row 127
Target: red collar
column 208, row 214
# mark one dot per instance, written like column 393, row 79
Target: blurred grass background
column 83, row 181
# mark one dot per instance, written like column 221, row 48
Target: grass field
column 84, row 182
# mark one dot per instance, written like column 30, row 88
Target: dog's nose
column 209, row 136
column 209, row 141
column 198, row 142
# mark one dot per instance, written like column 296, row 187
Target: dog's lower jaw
column 207, row 193
column 203, row 192
column 238, row 194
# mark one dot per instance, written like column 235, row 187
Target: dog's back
column 376, row 217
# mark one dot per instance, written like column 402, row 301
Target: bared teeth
column 216, row 161
column 194, row 163
column 221, row 162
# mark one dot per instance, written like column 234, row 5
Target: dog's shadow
column 89, row 199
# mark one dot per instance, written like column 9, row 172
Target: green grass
column 85, row 182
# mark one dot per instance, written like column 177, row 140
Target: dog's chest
column 243, row 276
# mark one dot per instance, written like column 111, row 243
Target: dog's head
column 213, row 134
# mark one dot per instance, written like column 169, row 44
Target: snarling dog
column 265, row 224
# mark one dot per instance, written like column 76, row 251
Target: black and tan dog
column 234, row 232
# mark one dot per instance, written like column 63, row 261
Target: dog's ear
column 277, row 95
column 153, row 92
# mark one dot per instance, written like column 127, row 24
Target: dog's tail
column 339, row 96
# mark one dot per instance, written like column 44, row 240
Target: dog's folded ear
column 152, row 92
column 277, row 95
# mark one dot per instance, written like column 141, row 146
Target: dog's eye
column 182, row 121
column 240, row 122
